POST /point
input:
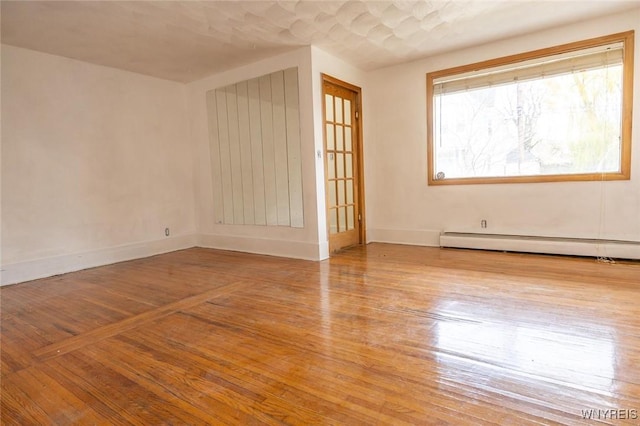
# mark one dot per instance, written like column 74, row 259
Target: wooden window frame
column 627, row 112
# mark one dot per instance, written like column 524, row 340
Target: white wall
column 309, row 242
column 96, row 162
column 276, row 240
column 402, row 208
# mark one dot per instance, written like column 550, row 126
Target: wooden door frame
column 362, row 237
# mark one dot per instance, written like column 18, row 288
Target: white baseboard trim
column 281, row 248
column 412, row 237
column 41, row 268
column 547, row 245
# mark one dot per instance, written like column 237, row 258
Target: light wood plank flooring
column 382, row 334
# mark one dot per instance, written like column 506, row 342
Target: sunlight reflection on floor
column 580, row 356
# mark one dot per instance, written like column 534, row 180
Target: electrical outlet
column 167, row 232
column 483, row 223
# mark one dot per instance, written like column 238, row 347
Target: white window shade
column 564, row 63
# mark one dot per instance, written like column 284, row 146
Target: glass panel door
column 341, row 165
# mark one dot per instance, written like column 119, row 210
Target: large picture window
column 556, row 114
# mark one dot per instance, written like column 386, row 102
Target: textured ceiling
column 188, row 40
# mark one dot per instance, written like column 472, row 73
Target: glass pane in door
column 332, row 193
column 349, row 191
column 347, row 111
column 350, row 217
column 333, row 221
column 342, row 219
column 331, row 165
column 341, row 192
column 330, row 137
column 328, row 101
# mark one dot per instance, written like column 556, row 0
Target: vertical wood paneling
column 214, row 145
column 225, row 156
column 245, row 152
column 280, row 147
column 254, row 132
column 268, row 156
column 257, row 165
column 294, row 161
column 234, row 149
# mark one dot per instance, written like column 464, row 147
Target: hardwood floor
column 382, row 334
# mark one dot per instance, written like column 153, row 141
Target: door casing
column 358, row 156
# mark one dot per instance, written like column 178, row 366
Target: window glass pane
column 349, row 184
column 339, row 135
column 350, row 217
column 333, row 221
column 332, row 193
column 349, row 165
column 347, row 139
column 342, row 219
column 338, row 110
column 340, row 192
column 564, row 124
column 347, row 111
column 328, row 103
column 330, row 138
column 340, row 160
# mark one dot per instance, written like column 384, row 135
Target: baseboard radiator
column 549, row 245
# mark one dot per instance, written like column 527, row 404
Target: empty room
column 320, row 212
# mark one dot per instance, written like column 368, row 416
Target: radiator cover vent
column 550, row 245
